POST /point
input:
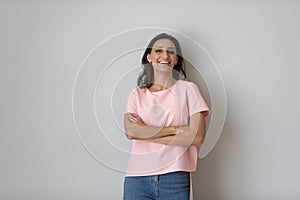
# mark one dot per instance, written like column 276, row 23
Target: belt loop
column 156, row 178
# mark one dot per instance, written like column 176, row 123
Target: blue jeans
column 170, row 186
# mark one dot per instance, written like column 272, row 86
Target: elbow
column 198, row 141
column 129, row 137
column 129, row 134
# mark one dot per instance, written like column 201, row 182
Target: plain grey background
column 254, row 43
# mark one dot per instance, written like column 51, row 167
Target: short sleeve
column 196, row 103
column 132, row 102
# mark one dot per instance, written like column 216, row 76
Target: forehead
column 164, row 43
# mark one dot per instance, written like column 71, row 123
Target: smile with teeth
column 164, row 62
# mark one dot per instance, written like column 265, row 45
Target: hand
column 134, row 118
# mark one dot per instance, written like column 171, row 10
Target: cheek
column 153, row 57
column 175, row 58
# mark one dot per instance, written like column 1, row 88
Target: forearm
column 193, row 134
column 136, row 132
column 187, row 137
column 136, row 129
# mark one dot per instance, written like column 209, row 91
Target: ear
column 149, row 58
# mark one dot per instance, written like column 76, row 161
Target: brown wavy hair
column 146, row 77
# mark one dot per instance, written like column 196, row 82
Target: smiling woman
column 165, row 118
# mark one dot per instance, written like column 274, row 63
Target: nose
column 165, row 54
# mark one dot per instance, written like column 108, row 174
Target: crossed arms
column 193, row 134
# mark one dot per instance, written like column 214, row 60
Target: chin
column 163, row 68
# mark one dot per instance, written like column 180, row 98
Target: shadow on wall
column 208, row 180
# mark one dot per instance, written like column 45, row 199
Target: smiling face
column 163, row 55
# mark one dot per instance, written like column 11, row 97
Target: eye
column 158, row 51
column 171, row 51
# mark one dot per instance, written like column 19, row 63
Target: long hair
column 146, row 77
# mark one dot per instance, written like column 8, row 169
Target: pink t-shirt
column 170, row 107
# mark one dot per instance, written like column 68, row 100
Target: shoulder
column 141, row 89
column 189, row 85
column 138, row 90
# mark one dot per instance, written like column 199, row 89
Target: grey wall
column 254, row 43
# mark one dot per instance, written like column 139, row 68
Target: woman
column 165, row 118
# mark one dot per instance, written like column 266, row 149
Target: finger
column 132, row 118
column 135, row 116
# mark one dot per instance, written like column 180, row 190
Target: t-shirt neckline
column 160, row 91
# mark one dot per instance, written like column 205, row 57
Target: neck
column 163, row 80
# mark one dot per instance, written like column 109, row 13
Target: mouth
column 165, row 63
